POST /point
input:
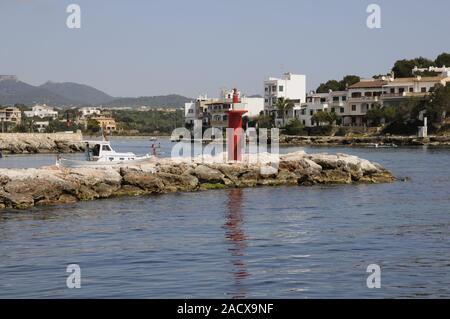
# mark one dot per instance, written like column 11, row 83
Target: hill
column 78, row 92
column 14, row 91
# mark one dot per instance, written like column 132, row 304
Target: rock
column 24, row 188
column 17, row 143
column 207, row 174
column 17, row 200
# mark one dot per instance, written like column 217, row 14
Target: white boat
column 100, row 153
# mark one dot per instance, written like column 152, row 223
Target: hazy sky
column 152, row 47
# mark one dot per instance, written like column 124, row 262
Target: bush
column 295, row 127
column 320, row 130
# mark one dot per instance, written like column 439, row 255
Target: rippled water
column 291, row 242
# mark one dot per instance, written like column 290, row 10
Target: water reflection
column 236, row 236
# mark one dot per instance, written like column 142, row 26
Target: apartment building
column 42, row 111
column 333, row 101
column 214, row 112
column 290, row 86
column 11, row 115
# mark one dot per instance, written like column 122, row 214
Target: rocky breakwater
column 25, row 188
column 25, row 143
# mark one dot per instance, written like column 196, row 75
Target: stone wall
column 24, row 143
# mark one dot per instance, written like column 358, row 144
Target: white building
column 290, row 86
column 314, row 102
column 88, row 111
column 42, row 111
column 41, row 126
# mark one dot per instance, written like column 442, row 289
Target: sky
column 192, row 47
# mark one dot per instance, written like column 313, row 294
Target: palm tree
column 283, row 106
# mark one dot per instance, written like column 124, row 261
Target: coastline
column 367, row 141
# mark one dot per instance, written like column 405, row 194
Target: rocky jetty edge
column 30, row 143
column 25, row 188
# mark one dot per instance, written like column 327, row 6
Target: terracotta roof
column 423, row 79
column 368, row 84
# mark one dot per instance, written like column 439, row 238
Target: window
column 304, row 122
column 342, row 110
column 392, row 91
column 423, row 90
column 401, row 90
column 353, row 107
column 191, row 111
column 368, row 94
column 344, row 98
column 280, row 88
column 356, row 94
column 323, row 100
column 105, row 148
column 411, row 90
column 274, row 88
column 335, row 98
column 266, row 89
column 333, row 110
column 311, row 112
column 266, row 100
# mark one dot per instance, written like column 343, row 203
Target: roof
column 368, row 84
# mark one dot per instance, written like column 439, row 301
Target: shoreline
column 367, row 141
column 26, row 188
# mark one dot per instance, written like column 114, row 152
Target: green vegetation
column 283, row 107
column 403, row 68
column 295, row 127
column 148, row 122
column 334, row 85
column 324, row 117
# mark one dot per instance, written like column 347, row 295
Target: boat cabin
column 102, row 151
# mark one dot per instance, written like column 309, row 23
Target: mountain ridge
column 66, row 94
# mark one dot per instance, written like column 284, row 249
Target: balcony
column 364, row 99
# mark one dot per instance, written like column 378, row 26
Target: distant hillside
column 78, row 92
column 13, row 91
column 172, row 100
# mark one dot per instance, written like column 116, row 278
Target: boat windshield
column 96, row 150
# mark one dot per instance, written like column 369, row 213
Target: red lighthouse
column 235, row 122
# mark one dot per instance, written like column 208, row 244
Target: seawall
column 25, row 188
column 24, row 143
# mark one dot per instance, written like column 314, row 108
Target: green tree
column 375, row 115
column 329, row 85
column 324, row 117
column 93, row 126
column 437, row 105
column 403, row 68
column 263, row 121
column 283, row 107
column 347, row 81
column 295, row 127
column 341, row 85
column 443, row 59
